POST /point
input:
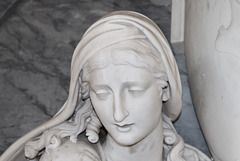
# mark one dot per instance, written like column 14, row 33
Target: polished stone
column 5, row 6
column 36, row 45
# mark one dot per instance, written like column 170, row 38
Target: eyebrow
column 99, row 86
column 127, row 83
column 134, row 83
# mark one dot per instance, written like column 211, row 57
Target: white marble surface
column 36, row 46
column 213, row 62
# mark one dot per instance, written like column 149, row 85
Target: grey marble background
column 37, row 39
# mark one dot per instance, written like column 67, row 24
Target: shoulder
column 72, row 151
column 191, row 153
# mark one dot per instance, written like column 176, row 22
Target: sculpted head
column 127, row 83
column 118, row 52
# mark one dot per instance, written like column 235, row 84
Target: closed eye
column 135, row 90
column 102, row 94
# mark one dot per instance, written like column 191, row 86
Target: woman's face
column 127, row 100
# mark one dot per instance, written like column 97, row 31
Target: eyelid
column 136, row 89
column 102, row 91
column 102, row 94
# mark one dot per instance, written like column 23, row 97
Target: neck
column 149, row 148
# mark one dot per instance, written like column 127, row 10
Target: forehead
column 118, row 74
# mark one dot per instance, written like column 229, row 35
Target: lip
column 124, row 127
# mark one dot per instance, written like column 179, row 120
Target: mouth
column 124, row 127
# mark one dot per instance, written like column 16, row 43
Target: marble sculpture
column 124, row 79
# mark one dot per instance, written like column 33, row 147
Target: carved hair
column 173, row 143
column 138, row 53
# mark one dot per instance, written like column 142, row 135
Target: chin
column 126, row 139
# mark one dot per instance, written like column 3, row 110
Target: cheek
column 148, row 102
column 150, row 116
column 102, row 108
column 149, row 108
column 156, row 105
column 150, row 111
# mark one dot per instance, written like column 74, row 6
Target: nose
column 120, row 112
